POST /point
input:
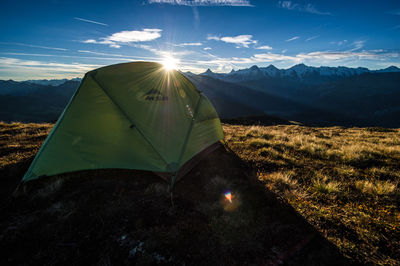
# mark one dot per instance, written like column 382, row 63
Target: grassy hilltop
column 301, row 196
column 343, row 181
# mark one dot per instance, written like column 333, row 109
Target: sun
column 170, row 63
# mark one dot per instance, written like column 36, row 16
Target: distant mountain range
column 31, row 102
column 311, row 95
column 321, row 96
column 300, row 71
column 51, row 82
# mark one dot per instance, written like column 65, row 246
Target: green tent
column 130, row 116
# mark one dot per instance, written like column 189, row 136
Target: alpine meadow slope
column 300, row 196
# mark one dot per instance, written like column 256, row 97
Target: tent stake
column 18, row 189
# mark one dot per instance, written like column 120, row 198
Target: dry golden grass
column 344, row 181
column 19, row 141
column 377, row 187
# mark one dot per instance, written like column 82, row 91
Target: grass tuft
column 376, row 188
column 253, row 131
column 280, row 181
column 258, row 143
column 322, row 186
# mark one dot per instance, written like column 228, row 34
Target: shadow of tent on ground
column 125, row 217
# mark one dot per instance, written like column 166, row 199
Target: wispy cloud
column 212, row 37
column 76, row 67
column 100, row 53
column 91, row 21
column 309, row 8
column 27, row 54
column 103, row 41
column 207, row 48
column 339, row 43
column 26, row 69
column 312, row 38
column 222, row 64
column 240, row 40
column 103, row 56
column 196, row 17
column 394, row 12
column 34, row 46
column 21, row 69
column 120, row 56
column 293, row 38
column 357, row 45
column 264, row 47
column 243, row 40
column 189, row 44
column 125, row 37
column 313, row 58
column 203, row 2
column 349, row 55
column 161, row 53
column 287, row 4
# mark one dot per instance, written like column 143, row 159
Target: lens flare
column 228, row 196
column 230, row 201
column 170, row 63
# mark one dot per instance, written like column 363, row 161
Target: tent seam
column 187, row 138
column 130, row 120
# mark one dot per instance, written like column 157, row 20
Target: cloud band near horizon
column 203, row 2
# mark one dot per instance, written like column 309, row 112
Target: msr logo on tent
column 155, row 95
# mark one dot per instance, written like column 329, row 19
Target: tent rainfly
column 130, row 116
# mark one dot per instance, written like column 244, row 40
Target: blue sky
column 57, row 39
